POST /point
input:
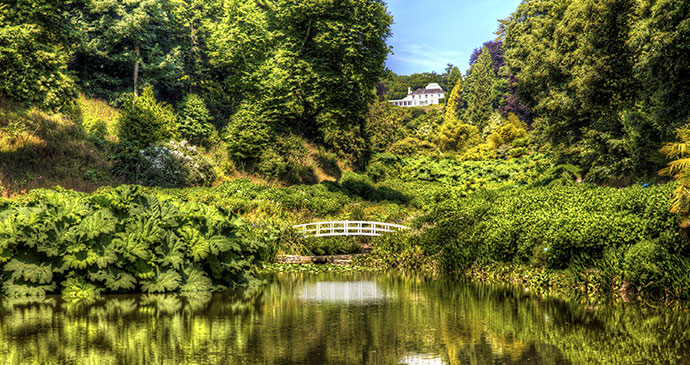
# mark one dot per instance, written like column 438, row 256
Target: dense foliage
column 616, row 235
column 34, row 36
column 293, row 63
column 120, row 240
column 194, row 125
column 604, row 78
column 284, row 91
column 145, row 121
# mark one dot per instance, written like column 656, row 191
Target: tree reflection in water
column 339, row 318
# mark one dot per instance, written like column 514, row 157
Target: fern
column 219, row 244
column 5, row 255
column 80, row 259
column 131, row 246
column 105, row 255
column 169, row 215
column 102, row 222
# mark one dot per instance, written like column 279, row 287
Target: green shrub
column 456, row 136
column 333, row 245
column 411, row 146
column 645, row 263
column 34, row 69
column 362, row 186
column 563, row 227
column 479, row 152
column 272, row 164
column 320, row 199
column 145, row 121
column 248, row 134
column 449, row 170
column 384, row 166
column 400, row 250
column 286, row 160
column 98, row 119
column 195, row 125
column 173, row 164
column 120, row 240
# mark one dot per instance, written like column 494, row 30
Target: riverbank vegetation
column 266, row 115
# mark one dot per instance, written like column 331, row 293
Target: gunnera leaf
column 163, row 282
column 78, row 288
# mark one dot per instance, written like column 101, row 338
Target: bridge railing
column 347, row 228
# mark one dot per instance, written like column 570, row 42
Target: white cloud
column 425, row 58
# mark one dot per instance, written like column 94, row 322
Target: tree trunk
column 192, row 41
column 136, row 68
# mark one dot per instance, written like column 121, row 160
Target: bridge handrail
column 347, row 228
column 358, row 222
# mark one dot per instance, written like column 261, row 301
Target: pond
column 362, row 318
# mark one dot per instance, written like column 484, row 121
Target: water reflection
column 420, row 359
column 296, row 319
column 348, row 292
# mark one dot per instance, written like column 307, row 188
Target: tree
column 194, row 125
column 454, row 135
column 329, row 57
column 126, row 44
column 496, row 51
column 454, row 102
column 454, row 75
column 384, row 120
column 509, row 129
column 34, row 37
column 481, row 91
column 145, row 121
column 192, row 18
column 582, row 67
column 241, row 44
column 659, row 39
column 248, row 134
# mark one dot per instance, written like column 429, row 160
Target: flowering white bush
column 174, row 164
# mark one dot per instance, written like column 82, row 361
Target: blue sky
column 427, row 34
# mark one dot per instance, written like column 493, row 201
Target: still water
column 363, row 318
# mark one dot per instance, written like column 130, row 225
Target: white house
column 427, row 96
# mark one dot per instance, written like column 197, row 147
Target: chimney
column 409, row 91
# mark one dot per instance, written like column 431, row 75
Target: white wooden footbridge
column 347, row 228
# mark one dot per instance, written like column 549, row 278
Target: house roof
column 432, row 88
column 427, row 91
